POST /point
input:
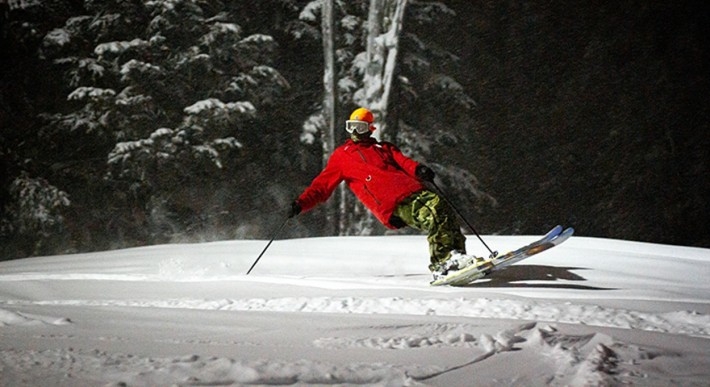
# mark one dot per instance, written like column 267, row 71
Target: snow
column 142, row 67
column 57, row 37
column 310, row 11
column 356, row 311
column 257, row 39
column 118, row 47
column 83, row 92
column 214, row 104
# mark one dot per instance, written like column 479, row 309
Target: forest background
column 126, row 123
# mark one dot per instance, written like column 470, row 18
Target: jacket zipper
column 369, row 177
column 371, row 194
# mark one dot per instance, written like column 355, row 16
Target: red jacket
column 376, row 172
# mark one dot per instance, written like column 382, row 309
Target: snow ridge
column 8, row 318
column 679, row 322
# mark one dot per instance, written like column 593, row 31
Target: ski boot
column 457, row 261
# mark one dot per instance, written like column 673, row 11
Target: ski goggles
column 359, row 127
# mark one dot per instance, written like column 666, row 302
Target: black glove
column 294, row 210
column 424, row 173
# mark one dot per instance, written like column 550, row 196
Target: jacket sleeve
column 323, row 185
column 404, row 162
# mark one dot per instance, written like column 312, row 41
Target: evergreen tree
column 161, row 97
column 32, row 209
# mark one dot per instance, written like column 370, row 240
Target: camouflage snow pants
column 426, row 211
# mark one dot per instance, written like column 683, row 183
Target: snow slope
column 356, row 311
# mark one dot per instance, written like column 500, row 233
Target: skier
column 391, row 186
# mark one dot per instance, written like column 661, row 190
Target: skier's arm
column 322, row 186
column 412, row 167
column 407, row 164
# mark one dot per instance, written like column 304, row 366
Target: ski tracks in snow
column 542, row 352
column 678, row 322
column 64, row 367
column 539, row 353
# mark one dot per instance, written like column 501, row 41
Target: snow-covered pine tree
column 34, row 214
column 172, row 84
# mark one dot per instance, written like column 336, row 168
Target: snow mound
column 404, row 337
column 25, row 319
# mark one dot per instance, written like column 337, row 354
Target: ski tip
column 559, row 231
column 563, row 236
column 553, row 232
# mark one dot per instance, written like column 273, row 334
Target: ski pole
column 278, row 231
column 441, row 193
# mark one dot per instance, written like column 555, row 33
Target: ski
column 482, row 268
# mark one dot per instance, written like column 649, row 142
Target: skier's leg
column 426, row 211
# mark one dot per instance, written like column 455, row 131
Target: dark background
column 593, row 113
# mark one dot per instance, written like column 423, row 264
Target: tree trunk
column 381, row 55
column 329, row 98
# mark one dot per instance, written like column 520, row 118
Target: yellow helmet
column 362, row 114
column 360, row 122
